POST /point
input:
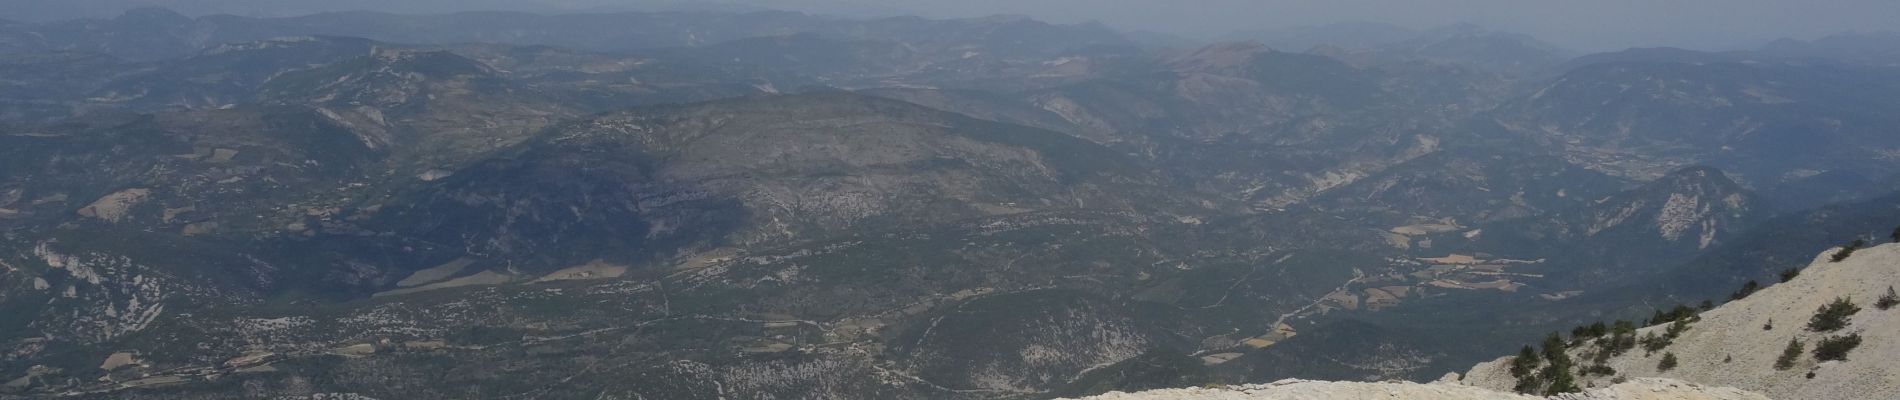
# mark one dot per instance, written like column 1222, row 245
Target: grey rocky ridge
column 769, row 204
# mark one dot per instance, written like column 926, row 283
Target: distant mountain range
column 780, row 205
column 39, row 11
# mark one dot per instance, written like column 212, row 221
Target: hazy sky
column 1578, row 24
column 1583, row 24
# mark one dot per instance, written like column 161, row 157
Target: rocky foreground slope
column 1644, row 389
column 1740, row 343
column 1741, row 348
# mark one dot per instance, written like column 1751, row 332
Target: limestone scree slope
column 1293, row 389
column 1737, row 344
column 1729, row 352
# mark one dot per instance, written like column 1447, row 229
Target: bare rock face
column 1643, row 389
column 1687, row 211
column 114, row 207
column 1738, row 344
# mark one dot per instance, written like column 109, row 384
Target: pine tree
column 1789, row 355
column 1789, row 274
column 1590, row 331
column 1622, row 338
column 1653, row 343
column 1562, row 381
column 1684, row 311
column 1624, row 327
column 1747, row 289
column 1668, row 362
column 1833, row 316
column 1676, row 329
column 1528, row 384
column 1554, row 347
column 1603, row 354
column 1677, row 313
column 1887, row 301
column 1848, row 250
column 1599, row 369
column 1836, row 348
column 1896, row 235
column 1527, row 362
column 1558, row 372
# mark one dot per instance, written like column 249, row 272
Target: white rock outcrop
column 116, row 206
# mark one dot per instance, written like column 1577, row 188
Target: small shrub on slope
column 1747, row 289
column 1599, row 370
column 1653, row 343
column 1622, row 338
column 1562, row 382
column 1676, row 329
column 1833, row 316
column 1591, row 331
column 1849, row 250
column 1790, row 274
column 1789, row 355
column 1678, row 313
column 1836, row 348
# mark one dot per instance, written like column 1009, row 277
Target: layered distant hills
column 779, row 205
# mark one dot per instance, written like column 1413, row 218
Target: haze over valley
column 730, row 200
